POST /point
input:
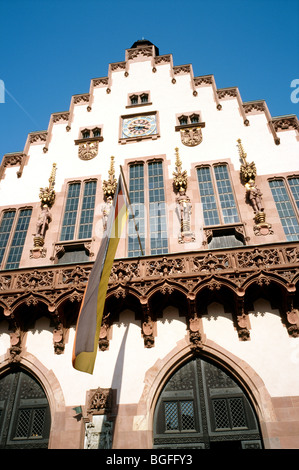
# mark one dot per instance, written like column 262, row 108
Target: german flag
column 91, row 312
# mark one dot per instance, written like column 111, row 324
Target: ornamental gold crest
column 88, row 150
column 191, row 137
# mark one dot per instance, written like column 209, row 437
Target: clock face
column 139, row 126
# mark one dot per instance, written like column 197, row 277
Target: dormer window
column 85, row 134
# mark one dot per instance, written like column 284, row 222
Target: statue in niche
column 254, row 196
column 43, row 221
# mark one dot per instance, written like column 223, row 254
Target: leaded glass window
column 136, row 192
column 149, row 209
column 79, row 211
column 225, row 193
column 5, row 229
column 294, row 185
column 285, row 207
column 157, row 209
column 207, row 196
column 216, row 195
column 179, row 415
column 18, row 240
column 87, row 211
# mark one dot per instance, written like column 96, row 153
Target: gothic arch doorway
column 24, row 412
column 203, row 407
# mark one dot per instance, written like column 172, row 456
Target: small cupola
column 144, row 42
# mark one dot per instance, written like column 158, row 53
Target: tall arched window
column 24, row 412
column 201, row 406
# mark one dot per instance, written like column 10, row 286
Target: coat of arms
column 191, row 137
column 88, row 150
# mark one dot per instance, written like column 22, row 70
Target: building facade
column 199, row 345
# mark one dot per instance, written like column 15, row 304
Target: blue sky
column 50, row 50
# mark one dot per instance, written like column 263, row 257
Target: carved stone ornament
column 195, row 335
column 262, row 227
column 58, row 335
column 191, row 137
column 109, row 187
column 104, row 334
column 293, row 319
column 99, row 401
column 148, row 333
column 180, row 179
column 16, row 345
column 88, row 150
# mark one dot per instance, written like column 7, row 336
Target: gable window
column 194, row 118
column 96, row 132
column 144, row 98
column 89, row 134
column 134, row 99
column 146, row 188
column 188, row 119
column 286, row 197
column 79, row 211
column 85, row 134
column 139, row 99
column 217, row 198
column 183, row 120
column 13, row 232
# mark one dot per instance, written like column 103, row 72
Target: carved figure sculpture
column 43, row 221
column 105, row 210
column 185, row 209
column 255, row 196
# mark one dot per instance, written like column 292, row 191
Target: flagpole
column 127, row 193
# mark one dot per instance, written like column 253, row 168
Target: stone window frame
column 236, row 228
column 145, row 161
column 65, row 245
column 17, row 211
column 216, row 193
column 285, row 179
column 138, row 96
